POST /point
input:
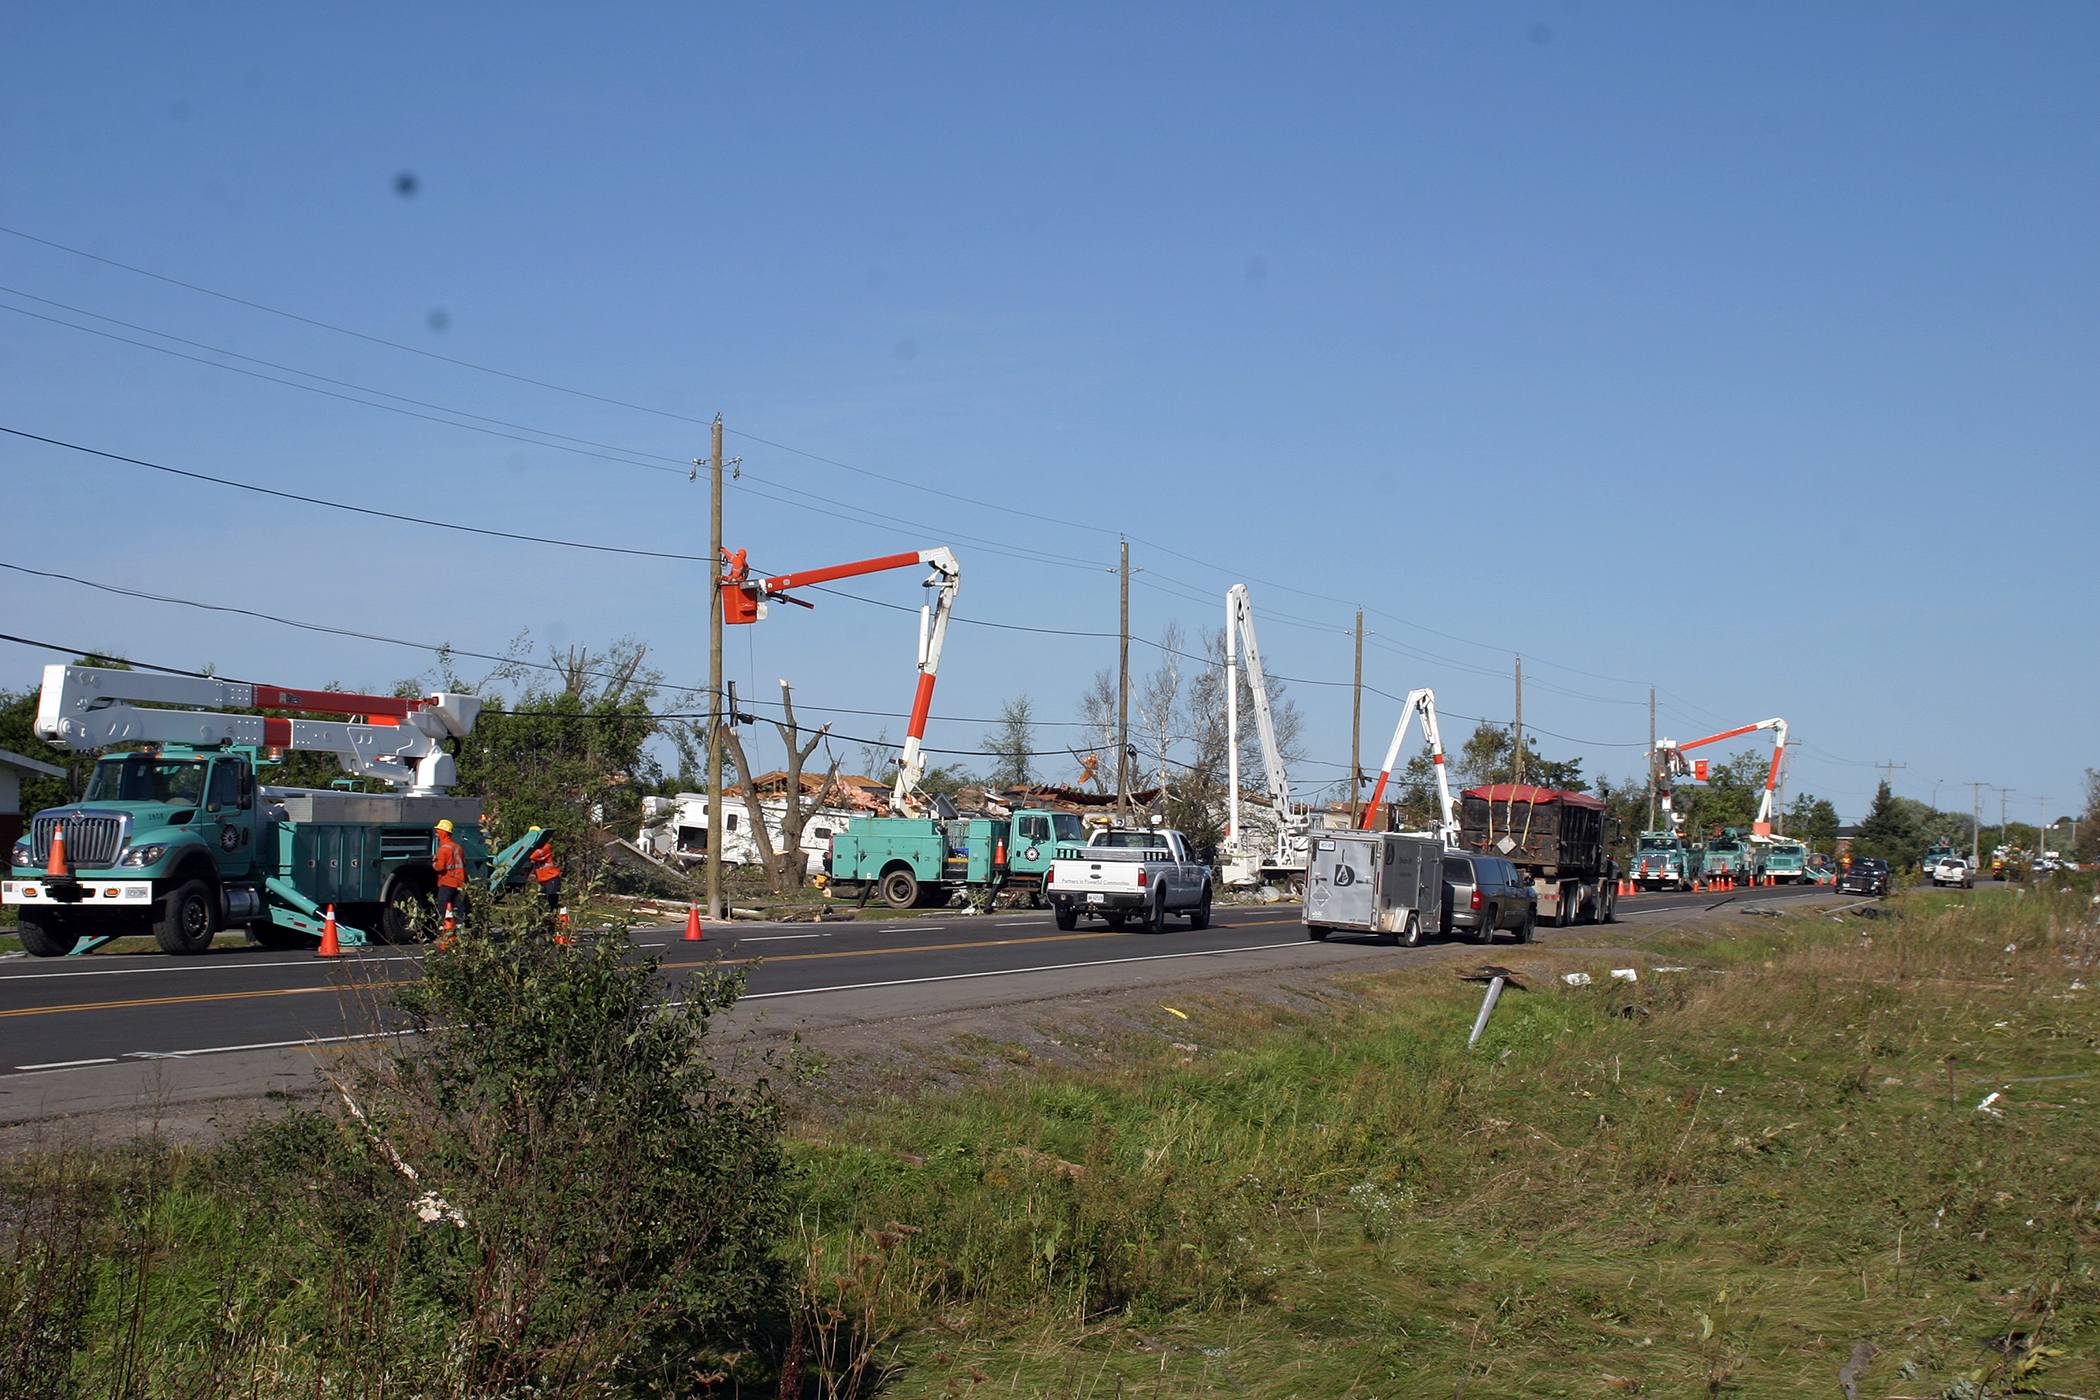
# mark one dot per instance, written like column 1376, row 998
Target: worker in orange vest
column 450, row 862
column 547, row 872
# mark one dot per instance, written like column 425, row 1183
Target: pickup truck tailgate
column 1112, row 872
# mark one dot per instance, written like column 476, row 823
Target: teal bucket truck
column 921, row 861
column 176, row 837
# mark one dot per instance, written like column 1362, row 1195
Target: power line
column 359, row 510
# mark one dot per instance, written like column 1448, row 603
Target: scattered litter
column 1669, row 969
column 1989, row 1099
column 2077, row 986
column 1184, row 1049
column 1172, row 1012
column 1625, row 974
column 1576, row 979
column 747, row 913
column 1269, row 894
column 2012, row 947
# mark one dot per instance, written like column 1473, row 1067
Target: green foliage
column 1890, row 832
column 1813, row 820
column 551, row 1190
column 570, row 755
column 18, row 735
column 1012, row 745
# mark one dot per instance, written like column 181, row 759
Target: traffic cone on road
column 561, row 929
column 56, row 866
column 329, row 948
column 692, row 924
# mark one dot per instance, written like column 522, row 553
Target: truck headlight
column 23, row 856
column 142, row 855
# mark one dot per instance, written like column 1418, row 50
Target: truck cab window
column 141, row 777
column 225, row 786
column 1068, row 827
column 1035, row 828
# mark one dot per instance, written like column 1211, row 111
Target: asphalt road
column 74, row 1033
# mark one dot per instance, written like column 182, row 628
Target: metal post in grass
column 1487, row 1009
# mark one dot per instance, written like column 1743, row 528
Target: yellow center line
column 790, row 957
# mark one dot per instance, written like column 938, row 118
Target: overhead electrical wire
column 667, row 464
column 1034, row 516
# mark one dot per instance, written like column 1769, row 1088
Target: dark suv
column 1866, row 875
column 1485, row 893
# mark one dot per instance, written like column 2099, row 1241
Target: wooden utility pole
column 1356, row 730
column 1520, row 721
column 1888, row 771
column 714, row 676
column 1975, row 822
column 1123, row 694
column 1651, row 758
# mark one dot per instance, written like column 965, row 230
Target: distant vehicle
column 1865, row 875
column 1786, row 862
column 1729, row 855
column 1935, row 853
column 1119, row 873
column 1663, row 861
column 1952, row 870
column 1486, row 893
column 1821, row 869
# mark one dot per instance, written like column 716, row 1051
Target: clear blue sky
column 1745, row 350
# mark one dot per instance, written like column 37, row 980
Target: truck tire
column 44, row 933
column 1155, row 919
column 1316, row 933
column 1064, row 915
column 1199, row 917
column 186, row 920
column 899, row 889
column 408, row 909
column 1528, row 930
column 1484, row 931
column 1607, row 906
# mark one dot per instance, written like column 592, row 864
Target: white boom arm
column 1239, row 627
column 397, row 740
column 1422, row 702
column 905, row 798
column 1669, row 759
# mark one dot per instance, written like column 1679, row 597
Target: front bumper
column 83, row 893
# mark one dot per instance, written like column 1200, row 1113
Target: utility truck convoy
column 1555, row 837
column 1120, row 874
column 178, row 839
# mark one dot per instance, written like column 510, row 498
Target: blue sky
column 1742, row 350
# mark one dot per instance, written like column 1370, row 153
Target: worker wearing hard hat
column 450, row 862
column 546, row 872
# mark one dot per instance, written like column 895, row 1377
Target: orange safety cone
column 56, row 867
column 561, row 929
column 329, row 948
column 692, row 924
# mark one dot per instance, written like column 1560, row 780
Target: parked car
column 1952, row 870
column 1486, row 893
column 1866, row 875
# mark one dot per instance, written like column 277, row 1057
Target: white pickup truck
column 1145, row 873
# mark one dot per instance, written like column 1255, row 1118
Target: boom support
column 1669, row 760
column 744, row 600
column 1239, row 628
column 399, row 740
column 1422, row 702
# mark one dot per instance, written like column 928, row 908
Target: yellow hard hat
column 444, row 826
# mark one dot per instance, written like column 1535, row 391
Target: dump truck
column 920, row 861
column 1556, row 837
column 177, row 837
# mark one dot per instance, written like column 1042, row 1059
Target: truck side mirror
column 247, row 789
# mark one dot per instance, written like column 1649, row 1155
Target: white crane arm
column 1669, row 759
column 1422, row 702
column 399, row 740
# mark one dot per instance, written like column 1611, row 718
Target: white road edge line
column 1012, row 971
column 149, row 1055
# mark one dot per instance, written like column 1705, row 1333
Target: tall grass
column 1708, row 1179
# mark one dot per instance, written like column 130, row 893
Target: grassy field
column 1716, row 1180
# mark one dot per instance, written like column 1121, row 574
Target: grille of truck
column 90, row 841
column 403, row 845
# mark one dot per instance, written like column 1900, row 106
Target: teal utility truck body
column 181, row 841
column 1664, row 861
column 1786, row 862
column 1730, row 856
column 909, row 861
